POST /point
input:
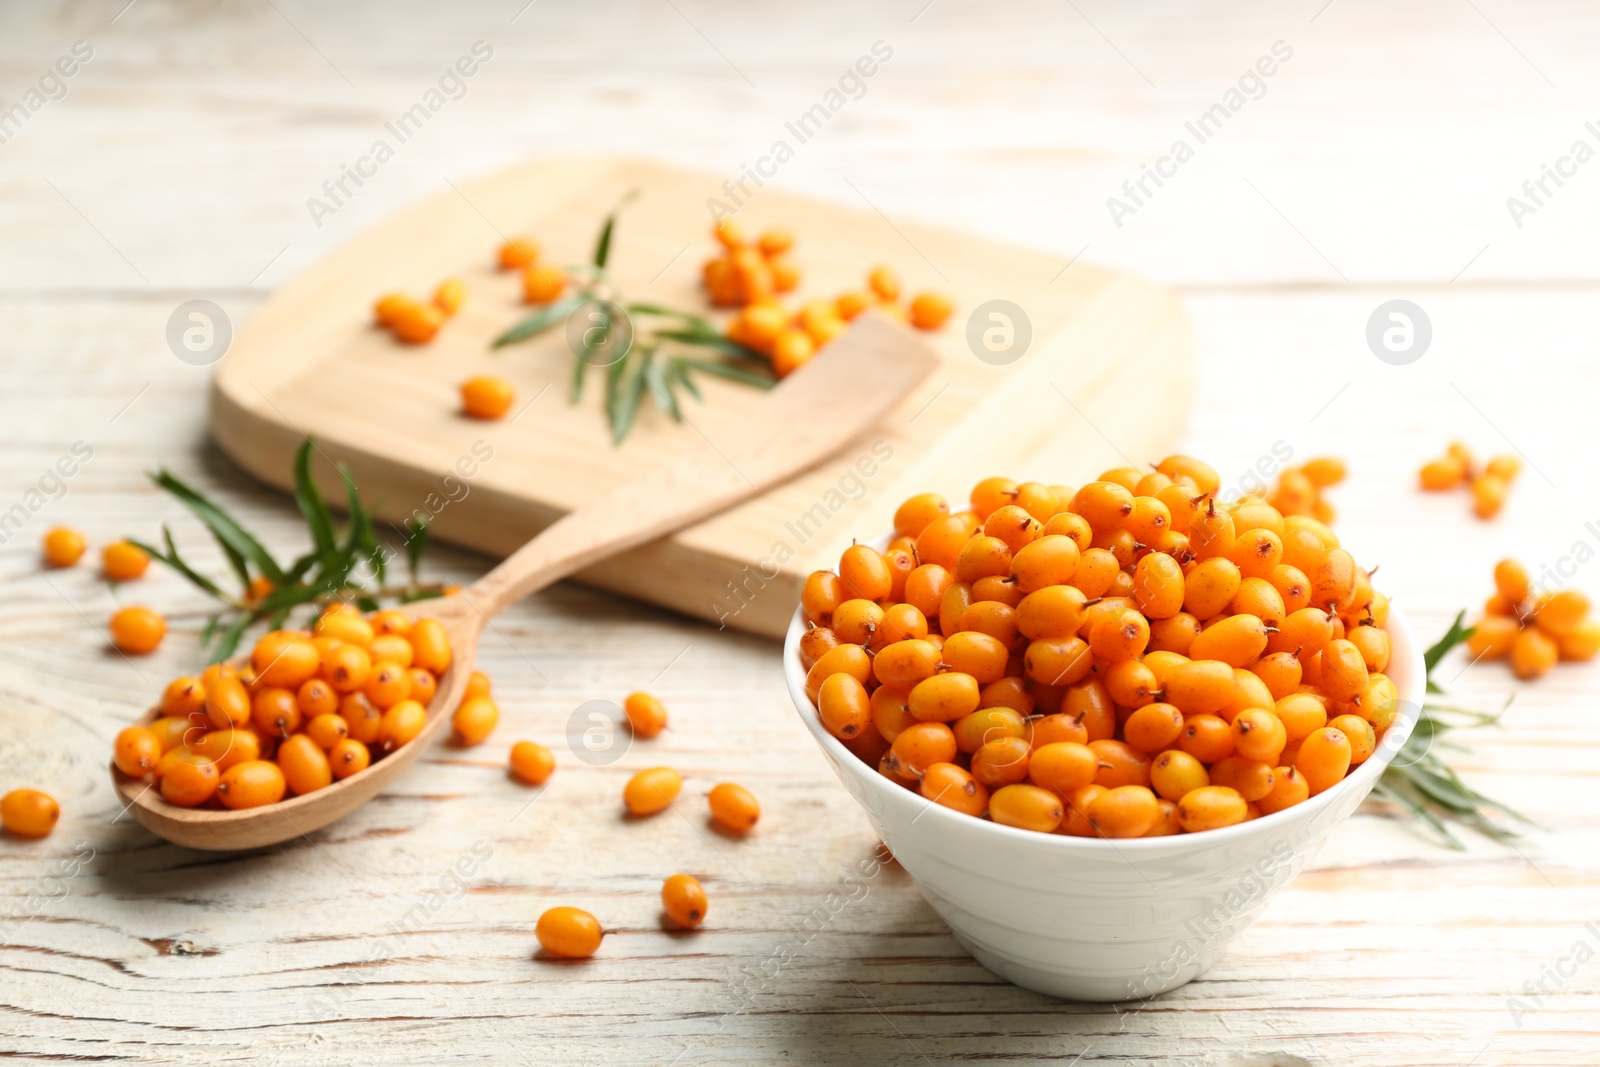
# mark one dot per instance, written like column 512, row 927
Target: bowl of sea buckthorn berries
column 1101, row 726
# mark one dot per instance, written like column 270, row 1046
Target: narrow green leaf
column 541, row 320
column 732, row 373
column 714, row 341
column 315, row 510
column 1453, row 637
column 362, row 539
column 172, row 559
column 228, row 641
column 680, row 373
column 233, row 538
column 625, row 384
column 416, row 543
column 209, row 628
column 657, row 378
column 602, row 246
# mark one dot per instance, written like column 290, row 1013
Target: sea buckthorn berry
column 1122, row 636
column 890, row 715
column 1063, row 766
column 387, row 684
column 1210, row 586
column 62, row 546
column 981, row 557
column 251, row 784
column 1256, row 596
column 348, row 756
column 1090, row 702
column 929, row 311
column 1174, row 774
column 1289, row 787
column 346, row 627
column 347, row 667
column 1292, row 586
column 905, row 663
column 431, row 645
column 1211, row 807
column 1249, row 692
column 277, row 712
column 1323, row 759
column 423, row 685
column 1300, row 714
column 227, row 702
column 1166, row 823
column 390, row 621
column 850, row 659
column 885, row 284
column 1013, row 526
column 542, row 283
column 1305, row 633
column 327, row 730
column 123, row 561
column 170, row 730
column 304, row 764
column 1064, row 661
column 189, row 780
column 135, row 751
column 569, row 933
column 1207, row 738
column 414, row 323
column 1580, row 643
column 953, row 787
column 1446, row 472
column 1560, row 612
column 651, row 790
column 1001, row 761
column 1071, row 525
column 791, row 350
column 1153, row 727
column 814, row 642
column 1106, row 505
column 1200, row 686
column 1505, row 468
column 1158, row 586
column 920, row 747
column 486, row 397
column 684, row 900
column 517, row 253
column 285, row 660
column 1253, row 514
column 1324, row 471
column 473, row 721
column 1131, row 683
column 843, row 707
column 1124, row 811
column 977, row 654
column 944, row 697
column 137, row 631
column 989, row 618
column 1058, row 728
column 1511, row 581
column 1054, row 612
column 182, row 696
column 857, row 621
column 820, row 595
column 925, row 588
column 392, row 648
column 1533, row 653
column 1258, row 734
column 1026, row 807
column 531, row 762
column 450, row 295
column 1251, row 779
column 1211, row 532
column 400, row 724
column 647, row 716
column 362, row 717
column 1201, row 475
column 733, row 807
column 1489, row 495
column 1358, row 731
column 1176, row 634
column 1009, row 692
column 1344, row 671
column 1237, row 640
column 1075, row 817
column 1119, row 764
column 1373, row 644
column 864, row 573
column 913, row 516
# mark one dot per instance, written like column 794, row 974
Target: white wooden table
column 1375, row 165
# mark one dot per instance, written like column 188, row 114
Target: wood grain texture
column 1391, row 142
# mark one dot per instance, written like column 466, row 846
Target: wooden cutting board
column 311, row 362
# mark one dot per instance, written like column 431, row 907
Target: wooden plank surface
column 180, row 161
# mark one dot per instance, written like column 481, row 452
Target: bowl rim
column 1410, row 682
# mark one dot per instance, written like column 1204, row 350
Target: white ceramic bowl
column 1102, row 920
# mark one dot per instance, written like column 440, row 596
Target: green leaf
column 680, row 373
column 581, row 365
column 362, row 540
column 172, row 559
column 541, row 320
column 308, row 498
column 716, row 341
column 233, row 538
column 1453, row 637
column 228, row 641
column 625, row 384
column 602, row 246
column 657, row 374
column 732, row 373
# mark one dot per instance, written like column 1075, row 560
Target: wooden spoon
column 839, row 395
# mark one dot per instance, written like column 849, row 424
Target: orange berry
column 387, row 685
column 183, row 696
column 486, row 397
column 347, row 667
column 885, row 283
column 417, row 324
column 474, row 720
column 251, row 784
column 431, row 644
column 122, row 561
column 137, row 631
column 189, row 779
column 390, row 307
column 135, row 751
column 304, row 764
column 1211, row 807
column 400, row 724
column 450, row 295
column 361, row 716
column 276, row 712
column 1533, row 653
column 569, row 933
column 1488, row 495
column 518, row 254
column 285, row 659
column 63, row 546
column 1441, row 474
column 423, row 685
column 651, row 790
column 532, row 763
column 684, row 900
column 542, row 283
column 1027, row 807
column 791, row 350
column 929, row 311
column 1323, row 759
column 327, row 730
column 347, row 757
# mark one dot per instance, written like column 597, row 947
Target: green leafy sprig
column 1420, row 781
column 656, row 362
column 348, row 563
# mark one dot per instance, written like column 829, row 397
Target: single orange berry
column 734, row 807
column 29, row 813
column 137, row 631
column 304, row 764
column 450, row 295
column 791, row 350
column 390, row 307
column 478, row 685
column 542, row 283
column 570, row 933
column 431, row 645
column 63, row 546
column 136, row 751
column 885, row 283
column 651, row 790
column 486, row 397
column 122, row 561
column 518, row 254
column 251, row 784
column 347, row 757
column 327, row 730
column 189, row 779
column 532, row 762
column 401, row 724
column 929, row 311
column 475, row 720
column 646, row 715
column 417, row 324
column 684, row 900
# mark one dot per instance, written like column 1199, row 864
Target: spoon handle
column 834, row 399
